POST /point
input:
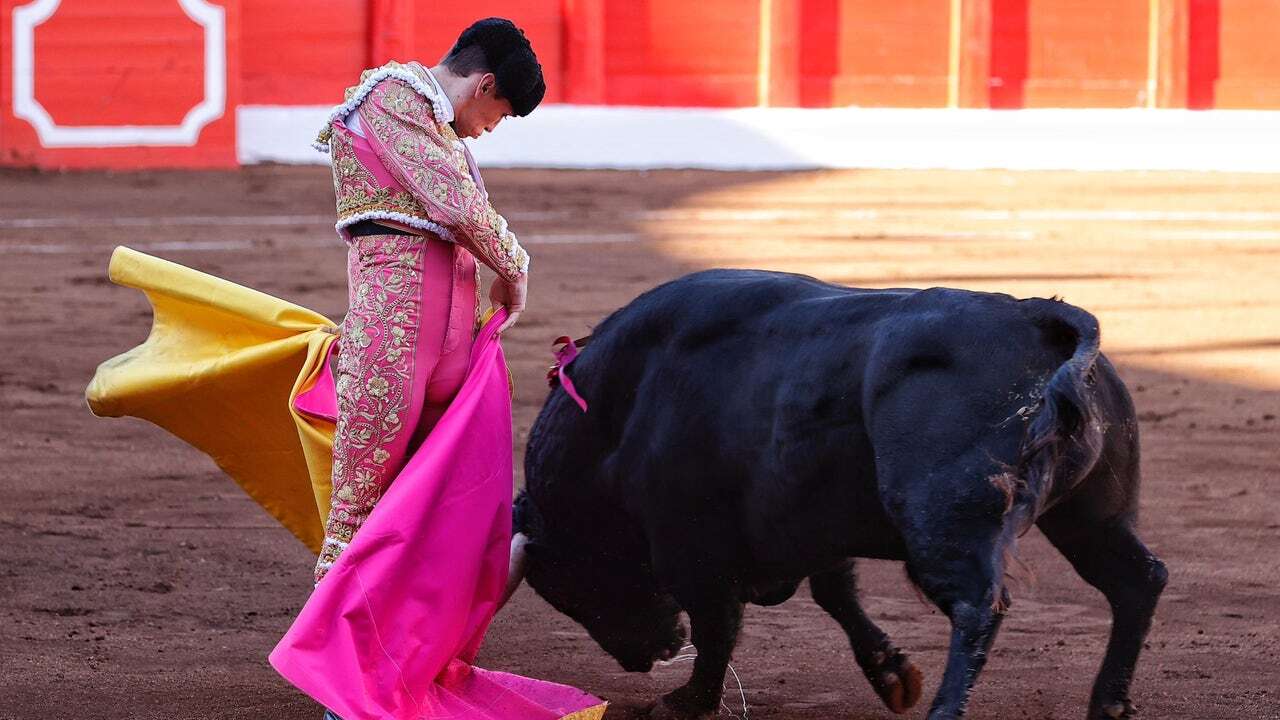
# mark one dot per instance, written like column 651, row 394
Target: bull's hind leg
column 894, row 678
column 1110, row 557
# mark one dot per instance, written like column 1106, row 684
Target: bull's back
column 748, row 395
column 734, row 393
column 748, row 344
column 738, row 322
column 709, row 347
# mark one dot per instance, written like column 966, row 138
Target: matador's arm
column 427, row 159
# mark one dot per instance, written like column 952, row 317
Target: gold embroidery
column 375, row 380
column 592, row 713
column 441, row 190
column 397, row 98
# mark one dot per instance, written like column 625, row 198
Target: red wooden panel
column 16, row 137
column 299, row 52
column 973, row 74
column 1249, row 69
column 1086, row 53
column 147, row 70
column 123, row 64
column 583, row 75
column 391, row 31
column 673, row 52
column 1203, row 52
column 892, row 53
column 1009, row 43
column 438, row 24
column 820, row 34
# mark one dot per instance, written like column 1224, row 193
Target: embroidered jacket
column 411, row 170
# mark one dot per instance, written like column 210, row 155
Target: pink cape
column 392, row 630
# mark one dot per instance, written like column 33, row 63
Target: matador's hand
column 510, row 295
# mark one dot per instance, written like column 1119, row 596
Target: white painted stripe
column 173, row 245
column 722, row 215
column 161, row 221
column 222, row 245
column 1118, row 215
column 1068, row 214
column 1211, row 234
column 579, row 239
column 572, row 136
column 688, row 235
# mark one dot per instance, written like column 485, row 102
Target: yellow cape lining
column 220, row 369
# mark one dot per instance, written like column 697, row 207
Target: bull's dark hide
column 748, row 430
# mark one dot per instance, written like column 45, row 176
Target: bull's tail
column 1064, row 432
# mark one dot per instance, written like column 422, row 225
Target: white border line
column 533, row 240
column 719, row 215
column 25, row 105
column 329, row 242
column 634, row 138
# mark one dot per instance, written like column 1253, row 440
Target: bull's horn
column 515, row 572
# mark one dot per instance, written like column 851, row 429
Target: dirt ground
column 138, row 582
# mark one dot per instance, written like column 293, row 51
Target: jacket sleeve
column 425, row 160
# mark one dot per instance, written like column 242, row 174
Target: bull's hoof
column 898, row 683
column 673, row 706
column 663, row 710
column 1114, row 710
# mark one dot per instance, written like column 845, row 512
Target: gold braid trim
column 591, row 713
column 354, row 95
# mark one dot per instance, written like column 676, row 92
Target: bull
column 749, row 430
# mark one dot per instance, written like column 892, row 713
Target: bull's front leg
column 714, row 620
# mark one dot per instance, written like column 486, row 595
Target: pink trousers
column 405, row 347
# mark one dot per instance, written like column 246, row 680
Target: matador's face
column 482, row 110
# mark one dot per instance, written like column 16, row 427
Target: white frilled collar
column 444, row 107
column 411, row 74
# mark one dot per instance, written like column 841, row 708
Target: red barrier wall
column 680, row 53
column 437, row 24
column 296, row 53
column 113, row 83
column 1248, row 65
column 132, row 73
column 891, row 54
column 1095, row 55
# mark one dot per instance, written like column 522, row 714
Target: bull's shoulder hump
column 771, row 288
column 945, row 326
column 725, row 301
column 726, row 295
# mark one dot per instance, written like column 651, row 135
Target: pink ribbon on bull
column 564, row 356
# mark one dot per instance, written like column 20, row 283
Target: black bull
column 747, row 430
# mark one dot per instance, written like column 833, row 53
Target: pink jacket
column 411, row 170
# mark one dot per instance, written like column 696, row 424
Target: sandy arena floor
column 138, row 582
